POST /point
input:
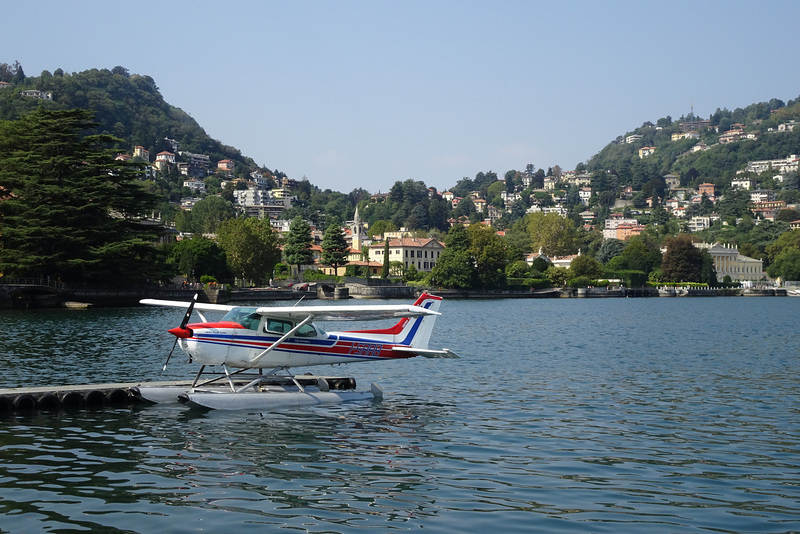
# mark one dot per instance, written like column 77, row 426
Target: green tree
column 586, row 266
column 641, row 254
column 708, row 273
column 609, row 249
column 297, row 247
column 210, row 213
column 385, row 270
column 517, row 269
column 539, row 266
column 489, row 256
column 683, row 262
column 558, row 276
column 553, row 234
column 787, row 215
column 454, row 267
column 198, row 257
column 735, row 203
column 785, row 242
column 251, row 247
column 380, row 227
column 786, row 266
column 334, row 245
column 72, row 210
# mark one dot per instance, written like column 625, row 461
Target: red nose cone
column 182, row 333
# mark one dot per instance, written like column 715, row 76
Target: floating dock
column 55, row 398
column 125, row 394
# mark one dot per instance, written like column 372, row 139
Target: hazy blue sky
column 364, row 93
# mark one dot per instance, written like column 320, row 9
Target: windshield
column 245, row 316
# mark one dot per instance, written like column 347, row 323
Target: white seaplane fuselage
column 252, row 337
column 280, row 338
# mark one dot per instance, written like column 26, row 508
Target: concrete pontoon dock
column 54, row 398
column 93, row 396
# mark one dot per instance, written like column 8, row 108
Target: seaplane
column 247, row 357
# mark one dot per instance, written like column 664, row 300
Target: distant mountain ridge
column 128, row 106
column 696, row 149
column 131, row 107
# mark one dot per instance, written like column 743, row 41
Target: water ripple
column 558, row 420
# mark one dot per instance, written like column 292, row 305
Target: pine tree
column 334, row 246
column 297, row 247
column 72, row 210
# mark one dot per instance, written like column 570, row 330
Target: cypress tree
column 71, row 210
column 334, row 245
column 385, row 270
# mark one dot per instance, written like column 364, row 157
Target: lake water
column 570, row 415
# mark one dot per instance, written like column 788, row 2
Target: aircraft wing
column 346, row 313
column 185, row 304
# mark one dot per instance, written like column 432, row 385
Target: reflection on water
column 670, row 415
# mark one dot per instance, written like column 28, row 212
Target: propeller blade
column 182, row 331
column 170, row 355
column 189, row 311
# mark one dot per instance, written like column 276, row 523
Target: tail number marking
column 366, row 349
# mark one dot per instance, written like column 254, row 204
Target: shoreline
column 41, row 298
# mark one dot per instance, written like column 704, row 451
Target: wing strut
column 283, row 338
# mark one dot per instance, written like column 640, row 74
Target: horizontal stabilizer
column 428, row 353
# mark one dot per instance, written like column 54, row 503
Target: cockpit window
column 247, row 317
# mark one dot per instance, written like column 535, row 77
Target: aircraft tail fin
column 417, row 332
column 410, row 331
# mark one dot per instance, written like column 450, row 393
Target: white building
column 260, row 203
column 34, row 93
column 195, row 185
column 785, row 165
column 743, row 183
column 196, row 160
column 762, row 195
column 696, row 224
column 421, row 253
column 646, row 151
column 585, row 193
column 728, row 262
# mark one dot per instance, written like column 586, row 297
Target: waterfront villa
column 728, row 262
column 422, row 253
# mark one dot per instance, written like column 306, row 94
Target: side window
column 277, row 326
column 306, row 331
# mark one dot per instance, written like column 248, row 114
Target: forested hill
column 128, row 106
column 703, row 157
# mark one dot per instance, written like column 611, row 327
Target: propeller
column 181, row 332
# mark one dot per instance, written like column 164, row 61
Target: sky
column 363, row 93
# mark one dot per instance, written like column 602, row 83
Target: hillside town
column 262, row 195
column 621, row 195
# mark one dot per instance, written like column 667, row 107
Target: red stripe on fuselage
column 218, row 324
column 393, row 331
column 355, row 348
